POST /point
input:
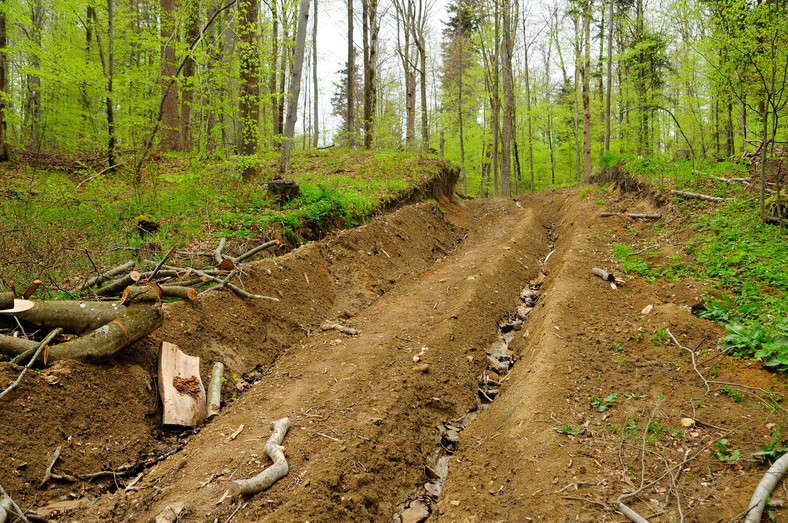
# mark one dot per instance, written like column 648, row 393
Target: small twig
column 48, row 473
column 161, row 263
column 40, row 348
column 240, row 504
column 329, row 437
column 607, row 507
column 643, row 250
column 578, row 484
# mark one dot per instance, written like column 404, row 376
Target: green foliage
column 724, row 454
column 660, row 336
column 603, row 404
column 772, row 451
column 566, row 429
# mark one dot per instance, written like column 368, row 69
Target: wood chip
column 236, row 433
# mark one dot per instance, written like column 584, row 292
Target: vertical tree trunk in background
column 609, row 78
column 460, row 42
column 351, row 78
column 729, row 130
column 192, row 23
column 586, row 91
column 110, row 76
column 276, row 129
column 425, row 130
column 3, row 83
column 548, row 89
column 496, row 104
column 316, row 129
column 508, row 101
column 32, row 119
column 249, row 107
column 295, row 87
column 170, row 133
column 371, row 32
column 530, row 117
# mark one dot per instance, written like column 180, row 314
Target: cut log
column 139, row 319
column 701, row 196
column 168, row 291
column 274, row 450
column 6, row 300
column 215, row 389
column 181, row 389
column 632, row 215
column 74, row 317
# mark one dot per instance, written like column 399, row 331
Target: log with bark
column 181, row 389
column 214, row 396
column 632, row 215
column 274, row 450
column 6, row 300
column 139, row 319
column 701, row 196
column 74, row 317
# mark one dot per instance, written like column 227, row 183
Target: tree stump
column 283, row 190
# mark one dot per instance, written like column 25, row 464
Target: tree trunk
column 32, row 117
column 110, row 77
column 249, row 107
column 170, row 133
column 3, row 83
column 609, row 78
column 508, row 101
column 295, row 87
column 460, row 42
column 192, row 23
column 276, row 129
column 316, row 128
column 587, row 91
column 496, row 100
column 351, row 78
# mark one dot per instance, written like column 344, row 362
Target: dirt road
column 427, row 288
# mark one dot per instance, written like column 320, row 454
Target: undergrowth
column 746, row 260
column 58, row 227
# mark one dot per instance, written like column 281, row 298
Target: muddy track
column 427, row 288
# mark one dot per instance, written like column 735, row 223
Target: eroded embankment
column 365, row 414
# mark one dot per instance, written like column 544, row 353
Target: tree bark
column 496, row 99
column 295, row 87
column 192, row 23
column 110, row 90
column 4, row 156
column 316, row 128
column 276, row 128
column 249, row 107
column 351, row 78
column 609, row 79
column 170, row 134
column 586, row 72
column 508, row 101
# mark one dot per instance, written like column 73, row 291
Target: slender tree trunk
column 110, row 76
column 587, row 91
column 351, row 78
column 425, row 130
column 249, row 106
column 316, row 130
column 276, row 129
column 295, row 86
column 460, row 42
column 367, row 93
column 496, row 109
column 508, row 101
column 187, row 73
column 4, row 154
column 170, row 133
column 530, row 117
column 32, row 119
column 371, row 30
column 609, row 78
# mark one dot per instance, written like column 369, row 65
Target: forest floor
column 599, row 402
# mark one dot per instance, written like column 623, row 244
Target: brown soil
column 428, row 281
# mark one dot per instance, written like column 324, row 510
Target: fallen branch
column 101, row 278
column 274, row 450
column 327, row 326
column 765, row 488
column 628, row 512
column 48, row 473
column 168, row 291
column 40, row 348
column 161, row 262
column 230, row 286
column 632, row 215
column 775, row 219
column 254, row 251
column 602, row 273
column 217, row 253
column 214, row 396
column 7, row 505
column 701, row 196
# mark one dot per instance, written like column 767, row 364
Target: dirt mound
column 593, row 407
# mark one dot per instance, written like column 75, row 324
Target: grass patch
column 57, row 226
